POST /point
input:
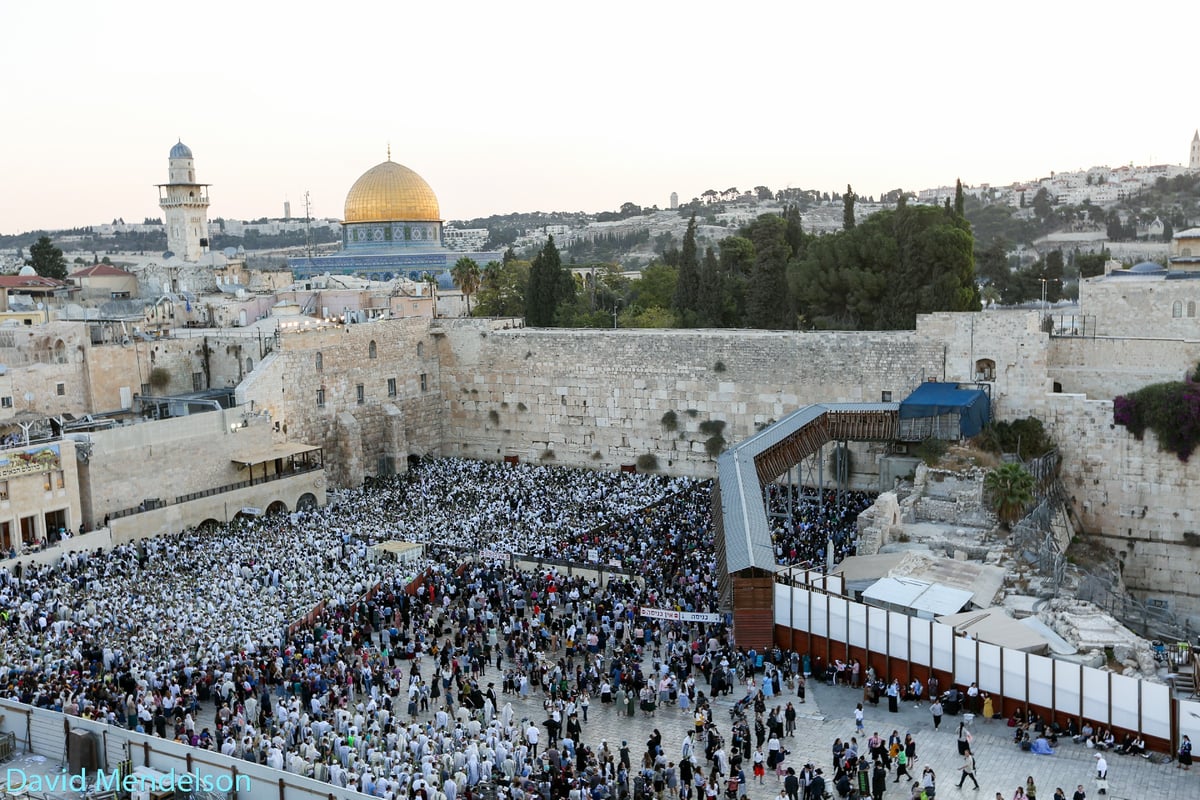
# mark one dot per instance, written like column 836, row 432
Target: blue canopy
column 934, row 399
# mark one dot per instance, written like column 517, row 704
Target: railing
column 1066, row 326
column 230, row 487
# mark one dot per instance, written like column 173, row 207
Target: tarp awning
column 925, row 599
column 282, row 450
column 993, row 626
column 933, row 399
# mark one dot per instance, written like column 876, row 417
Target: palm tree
column 1010, row 487
column 465, row 275
column 431, row 279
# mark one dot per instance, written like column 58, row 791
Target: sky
column 559, row 106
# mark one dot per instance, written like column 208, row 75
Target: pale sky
column 561, row 106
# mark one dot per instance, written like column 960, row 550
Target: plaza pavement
column 829, row 713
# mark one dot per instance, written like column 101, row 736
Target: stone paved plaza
column 829, row 713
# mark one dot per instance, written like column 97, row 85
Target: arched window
column 249, row 365
column 420, row 349
column 985, row 370
column 320, row 362
column 1177, row 309
column 372, row 352
column 1191, row 308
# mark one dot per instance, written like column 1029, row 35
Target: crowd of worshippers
column 395, row 694
column 816, row 518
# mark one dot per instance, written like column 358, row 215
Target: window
column 985, row 370
column 1191, row 308
column 360, row 394
column 886, row 397
column 372, row 351
column 321, row 397
column 3, row 490
column 60, row 480
column 5, row 402
column 197, row 381
column 391, row 387
column 60, row 389
column 1177, row 309
column 420, row 349
column 145, row 390
column 424, row 382
column 46, row 481
column 320, row 362
column 249, row 365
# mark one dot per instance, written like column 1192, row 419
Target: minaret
column 1194, row 162
column 185, row 206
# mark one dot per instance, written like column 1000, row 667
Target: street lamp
column 616, row 307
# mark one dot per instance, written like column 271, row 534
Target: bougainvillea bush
column 1171, row 410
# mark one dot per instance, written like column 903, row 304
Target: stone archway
column 278, row 507
column 306, row 502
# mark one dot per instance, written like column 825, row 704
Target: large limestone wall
column 1104, row 367
column 166, row 458
column 1139, row 500
column 360, row 439
column 598, row 397
column 1140, row 307
column 1012, row 340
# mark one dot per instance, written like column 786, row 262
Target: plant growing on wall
column 647, row 462
column 1171, row 410
column 670, row 421
column 160, row 379
column 841, row 463
column 712, row 427
column 1009, row 488
column 714, row 445
column 494, row 417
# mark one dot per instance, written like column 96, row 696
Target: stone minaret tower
column 1194, row 162
column 185, row 206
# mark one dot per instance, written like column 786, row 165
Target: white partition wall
column 897, row 635
column 1068, row 680
column 858, row 625
column 1060, row 687
column 1041, row 682
column 920, row 640
column 989, row 669
column 1126, row 701
column 1095, row 693
column 1014, row 674
column 943, row 647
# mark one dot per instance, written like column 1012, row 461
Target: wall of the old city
column 371, row 437
column 1103, row 367
column 598, row 398
column 164, row 458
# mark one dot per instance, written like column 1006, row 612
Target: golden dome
column 391, row 192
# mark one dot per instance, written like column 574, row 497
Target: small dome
column 181, row 150
column 27, row 271
column 390, row 192
column 1146, row 266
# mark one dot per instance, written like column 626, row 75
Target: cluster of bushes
column 1171, row 410
column 1025, row 437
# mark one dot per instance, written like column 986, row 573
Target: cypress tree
column 687, row 289
column 545, row 282
column 848, row 209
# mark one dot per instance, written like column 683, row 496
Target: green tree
column 502, row 290
column 899, row 263
column 545, row 287
column 767, row 301
column 466, row 277
column 848, row 199
column 656, row 287
column 1010, row 490
column 687, row 286
column 47, row 260
column 710, row 303
column 1043, row 206
column 959, row 203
